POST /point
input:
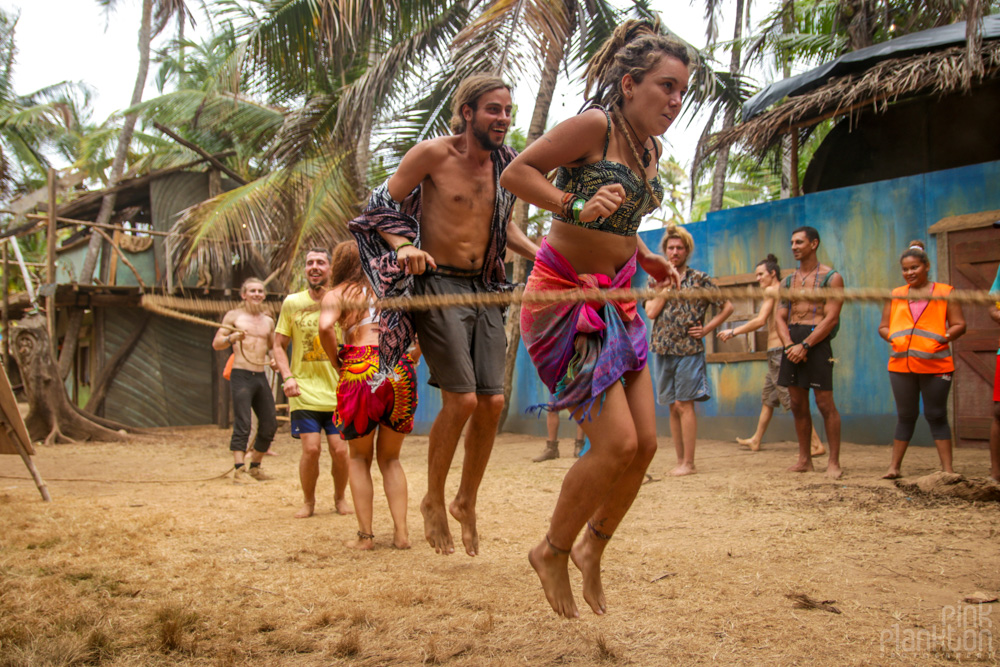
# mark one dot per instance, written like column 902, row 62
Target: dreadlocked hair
column 634, row 48
column 347, row 272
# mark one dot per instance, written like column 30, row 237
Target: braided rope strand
column 170, row 306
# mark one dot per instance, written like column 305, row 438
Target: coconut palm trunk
column 539, row 117
column 71, row 339
column 728, row 118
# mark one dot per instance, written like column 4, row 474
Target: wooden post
column 6, row 307
column 50, row 269
column 795, row 162
column 97, row 351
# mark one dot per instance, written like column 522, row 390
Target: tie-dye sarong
column 360, row 409
column 580, row 349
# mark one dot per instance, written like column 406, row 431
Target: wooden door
column 973, row 258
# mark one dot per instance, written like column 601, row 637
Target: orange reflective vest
column 921, row 346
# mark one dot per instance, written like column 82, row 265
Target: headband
column 912, row 247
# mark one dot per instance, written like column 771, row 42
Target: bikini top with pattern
column 584, row 181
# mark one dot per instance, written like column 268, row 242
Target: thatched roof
column 935, row 73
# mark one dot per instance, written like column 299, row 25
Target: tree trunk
column 51, row 415
column 728, row 118
column 539, row 117
column 787, row 25
column 71, row 339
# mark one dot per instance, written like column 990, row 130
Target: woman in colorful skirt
column 362, row 409
column 592, row 356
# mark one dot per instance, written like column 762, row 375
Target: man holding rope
column 250, row 332
column 443, row 219
column 806, row 329
column 310, row 383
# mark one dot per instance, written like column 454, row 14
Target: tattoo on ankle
column 598, row 534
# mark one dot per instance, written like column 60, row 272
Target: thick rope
column 169, row 306
column 154, row 307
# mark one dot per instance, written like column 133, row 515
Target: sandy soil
column 127, row 572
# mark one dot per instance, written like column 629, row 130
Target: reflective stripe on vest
column 919, row 347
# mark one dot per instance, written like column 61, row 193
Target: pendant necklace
column 645, row 151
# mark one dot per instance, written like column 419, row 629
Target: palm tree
column 30, row 125
column 729, row 115
column 150, row 25
column 322, row 67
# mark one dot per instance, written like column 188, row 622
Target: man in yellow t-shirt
column 310, row 383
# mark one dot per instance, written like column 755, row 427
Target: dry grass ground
column 208, row 573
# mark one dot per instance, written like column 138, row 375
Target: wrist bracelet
column 566, row 212
column 290, row 377
column 402, row 245
column 577, row 207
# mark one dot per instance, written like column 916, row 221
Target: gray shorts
column 465, row 346
column 774, row 394
column 681, row 378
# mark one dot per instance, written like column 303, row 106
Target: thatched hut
column 912, row 105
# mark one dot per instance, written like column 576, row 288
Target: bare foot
column 893, row 473
column 436, row 527
column 802, row 466
column 833, row 471
column 754, row 445
column 306, row 511
column 467, row 517
column 271, row 452
column 344, row 507
column 683, row 469
column 401, row 540
column 817, row 448
column 588, row 561
column 552, row 570
column 360, row 544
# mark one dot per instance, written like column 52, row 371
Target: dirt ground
column 122, row 572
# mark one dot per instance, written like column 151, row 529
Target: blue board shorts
column 312, row 421
column 681, row 378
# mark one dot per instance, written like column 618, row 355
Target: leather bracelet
column 567, row 206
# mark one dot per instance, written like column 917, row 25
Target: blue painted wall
column 863, row 229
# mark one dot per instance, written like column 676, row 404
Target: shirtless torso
column 252, row 349
column 458, row 193
column 457, row 196
column 809, row 313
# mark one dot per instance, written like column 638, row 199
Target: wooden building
column 171, row 377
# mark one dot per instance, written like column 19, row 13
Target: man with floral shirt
column 678, row 329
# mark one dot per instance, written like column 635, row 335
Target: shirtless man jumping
column 446, row 222
column 805, row 329
column 251, row 337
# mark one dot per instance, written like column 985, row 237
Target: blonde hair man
column 678, row 329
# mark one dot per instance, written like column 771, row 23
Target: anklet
column 598, row 534
column 366, row 536
column 555, row 549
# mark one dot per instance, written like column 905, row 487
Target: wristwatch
column 805, row 346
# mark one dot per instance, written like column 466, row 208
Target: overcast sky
column 76, row 40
